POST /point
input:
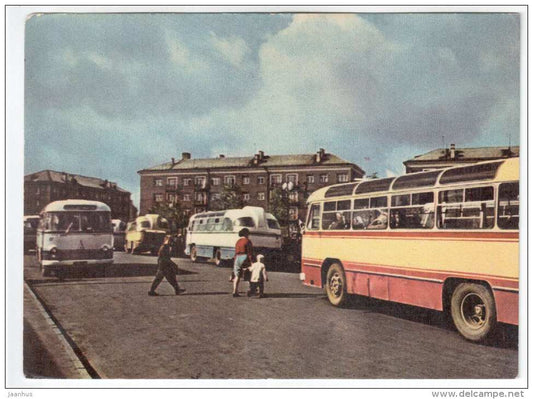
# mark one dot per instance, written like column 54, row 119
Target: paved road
column 292, row 333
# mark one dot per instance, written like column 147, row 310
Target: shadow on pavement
column 505, row 336
column 112, row 270
column 291, row 295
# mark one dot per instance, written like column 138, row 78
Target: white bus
column 214, row 234
column 146, row 233
column 74, row 232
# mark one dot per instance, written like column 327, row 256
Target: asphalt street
column 292, row 333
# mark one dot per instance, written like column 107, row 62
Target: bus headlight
column 53, row 253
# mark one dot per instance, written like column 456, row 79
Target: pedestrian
column 258, row 276
column 165, row 268
column 244, row 251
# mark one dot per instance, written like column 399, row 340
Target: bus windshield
column 90, row 222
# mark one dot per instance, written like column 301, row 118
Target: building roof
column 467, row 154
column 63, row 177
column 244, row 162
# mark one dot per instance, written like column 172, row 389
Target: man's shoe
column 181, row 290
column 153, row 293
column 235, row 295
column 248, row 293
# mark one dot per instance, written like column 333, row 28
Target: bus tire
column 61, row 273
column 45, row 271
column 193, row 254
column 336, row 285
column 473, row 311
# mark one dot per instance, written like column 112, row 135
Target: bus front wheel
column 473, row 311
column 336, row 285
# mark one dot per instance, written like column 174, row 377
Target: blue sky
column 107, row 95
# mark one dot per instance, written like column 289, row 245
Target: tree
column 230, row 198
column 174, row 214
column 279, row 205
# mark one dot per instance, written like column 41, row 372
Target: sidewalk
column 55, row 359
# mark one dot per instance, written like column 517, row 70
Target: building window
column 158, row 197
column 199, row 197
column 246, row 196
column 293, row 213
column 215, row 197
column 172, row 181
column 171, row 198
column 324, row 178
column 260, row 180
column 186, row 197
column 342, row 178
column 292, row 178
column 158, row 182
column 293, row 196
column 229, row 180
column 310, row 179
column 261, row 196
column 215, row 181
column 275, row 179
column 199, row 181
column 245, row 180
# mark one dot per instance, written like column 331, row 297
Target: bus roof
column 499, row 170
column 76, row 206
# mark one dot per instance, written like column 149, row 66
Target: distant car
column 119, row 234
column 31, row 222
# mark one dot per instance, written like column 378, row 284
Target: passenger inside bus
column 380, row 220
column 339, row 223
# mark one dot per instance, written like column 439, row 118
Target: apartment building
column 452, row 156
column 197, row 184
column 41, row 188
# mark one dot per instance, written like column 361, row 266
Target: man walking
column 165, row 268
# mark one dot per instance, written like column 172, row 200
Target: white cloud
column 232, row 49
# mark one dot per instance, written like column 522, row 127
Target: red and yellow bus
column 443, row 239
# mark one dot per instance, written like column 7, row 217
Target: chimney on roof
column 185, row 155
column 173, row 161
column 261, row 155
column 320, row 155
column 452, row 151
column 221, row 156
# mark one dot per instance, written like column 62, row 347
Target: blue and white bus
column 212, row 235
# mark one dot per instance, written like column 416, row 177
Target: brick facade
column 256, row 176
column 46, row 186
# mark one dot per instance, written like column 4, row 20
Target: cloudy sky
column 107, row 95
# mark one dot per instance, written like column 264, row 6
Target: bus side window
column 227, row 225
column 313, row 220
column 412, row 211
column 508, row 206
column 470, row 208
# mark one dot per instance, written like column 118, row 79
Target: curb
column 47, row 353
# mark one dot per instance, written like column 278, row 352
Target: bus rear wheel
column 473, row 311
column 336, row 285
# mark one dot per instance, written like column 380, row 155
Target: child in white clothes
column 258, row 277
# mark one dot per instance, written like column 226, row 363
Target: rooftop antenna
column 443, row 145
